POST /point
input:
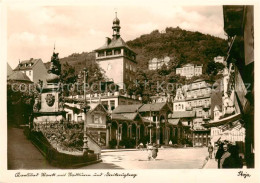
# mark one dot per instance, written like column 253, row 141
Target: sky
column 32, row 30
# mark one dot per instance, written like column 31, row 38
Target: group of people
column 227, row 155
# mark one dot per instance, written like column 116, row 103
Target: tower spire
column 116, row 27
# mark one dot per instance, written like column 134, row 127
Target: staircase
column 93, row 145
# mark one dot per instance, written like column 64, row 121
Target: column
column 193, row 139
column 157, row 131
column 127, row 131
column 130, row 130
column 120, row 132
column 107, row 136
column 137, row 132
column 207, row 140
column 110, row 131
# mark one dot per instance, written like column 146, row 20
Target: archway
column 124, row 131
column 134, row 131
column 162, row 129
column 142, row 132
column 114, row 126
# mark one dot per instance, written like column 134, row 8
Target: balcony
column 188, row 108
column 206, row 106
column 206, row 118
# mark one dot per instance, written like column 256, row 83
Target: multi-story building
column 117, row 59
column 34, row 69
column 195, row 97
column 161, row 98
column 155, row 63
column 189, row 70
column 109, row 100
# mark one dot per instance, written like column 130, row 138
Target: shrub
column 127, row 142
column 112, row 143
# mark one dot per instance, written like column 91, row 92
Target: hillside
column 185, row 46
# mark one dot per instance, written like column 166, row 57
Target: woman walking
column 154, row 151
column 149, row 149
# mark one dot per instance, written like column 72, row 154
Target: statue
column 61, row 103
column 55, row 67
column 37, row 105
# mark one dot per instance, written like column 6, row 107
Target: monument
column 48, row 106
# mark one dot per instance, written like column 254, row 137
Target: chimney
column 108, row 41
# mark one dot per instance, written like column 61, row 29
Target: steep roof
column 152, row 107
column 174, row 121
column 94, row 106
column 115, row 43
column 127, row 108
column 130, row 116
column 119, row 117
column 19, row 76
column 27, row 64
column 216, row 96
column 9, row 70
column 182, row 114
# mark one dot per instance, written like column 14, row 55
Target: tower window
column 117, row 52
column 109, row 52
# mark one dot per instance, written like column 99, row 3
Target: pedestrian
column 149, row 149
column 226, row 154
column 233, row 161
column 141, row 146
column 219, row 153
column 210, row 150
column 170, row 142
column 154, row 151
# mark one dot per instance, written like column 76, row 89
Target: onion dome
column 116, row 21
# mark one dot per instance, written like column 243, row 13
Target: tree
column 213, row 68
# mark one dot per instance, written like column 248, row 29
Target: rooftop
column 127, row 108
column 115, row 43
column 153, row 107
column 19, row 76
column 27, row 64
column 181, row 114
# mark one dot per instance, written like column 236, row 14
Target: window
column 30, row 72
column 200, row 113
column 79, row 118
column 112, row 105
column 117, row 51
column 69, row 117
column 96, row 119
column 109, row 52
column 101, row 54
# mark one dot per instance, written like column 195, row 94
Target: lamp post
column 85, row 137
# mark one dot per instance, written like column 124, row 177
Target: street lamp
column 85, row 137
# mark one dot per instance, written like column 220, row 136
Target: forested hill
column 185, row 46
